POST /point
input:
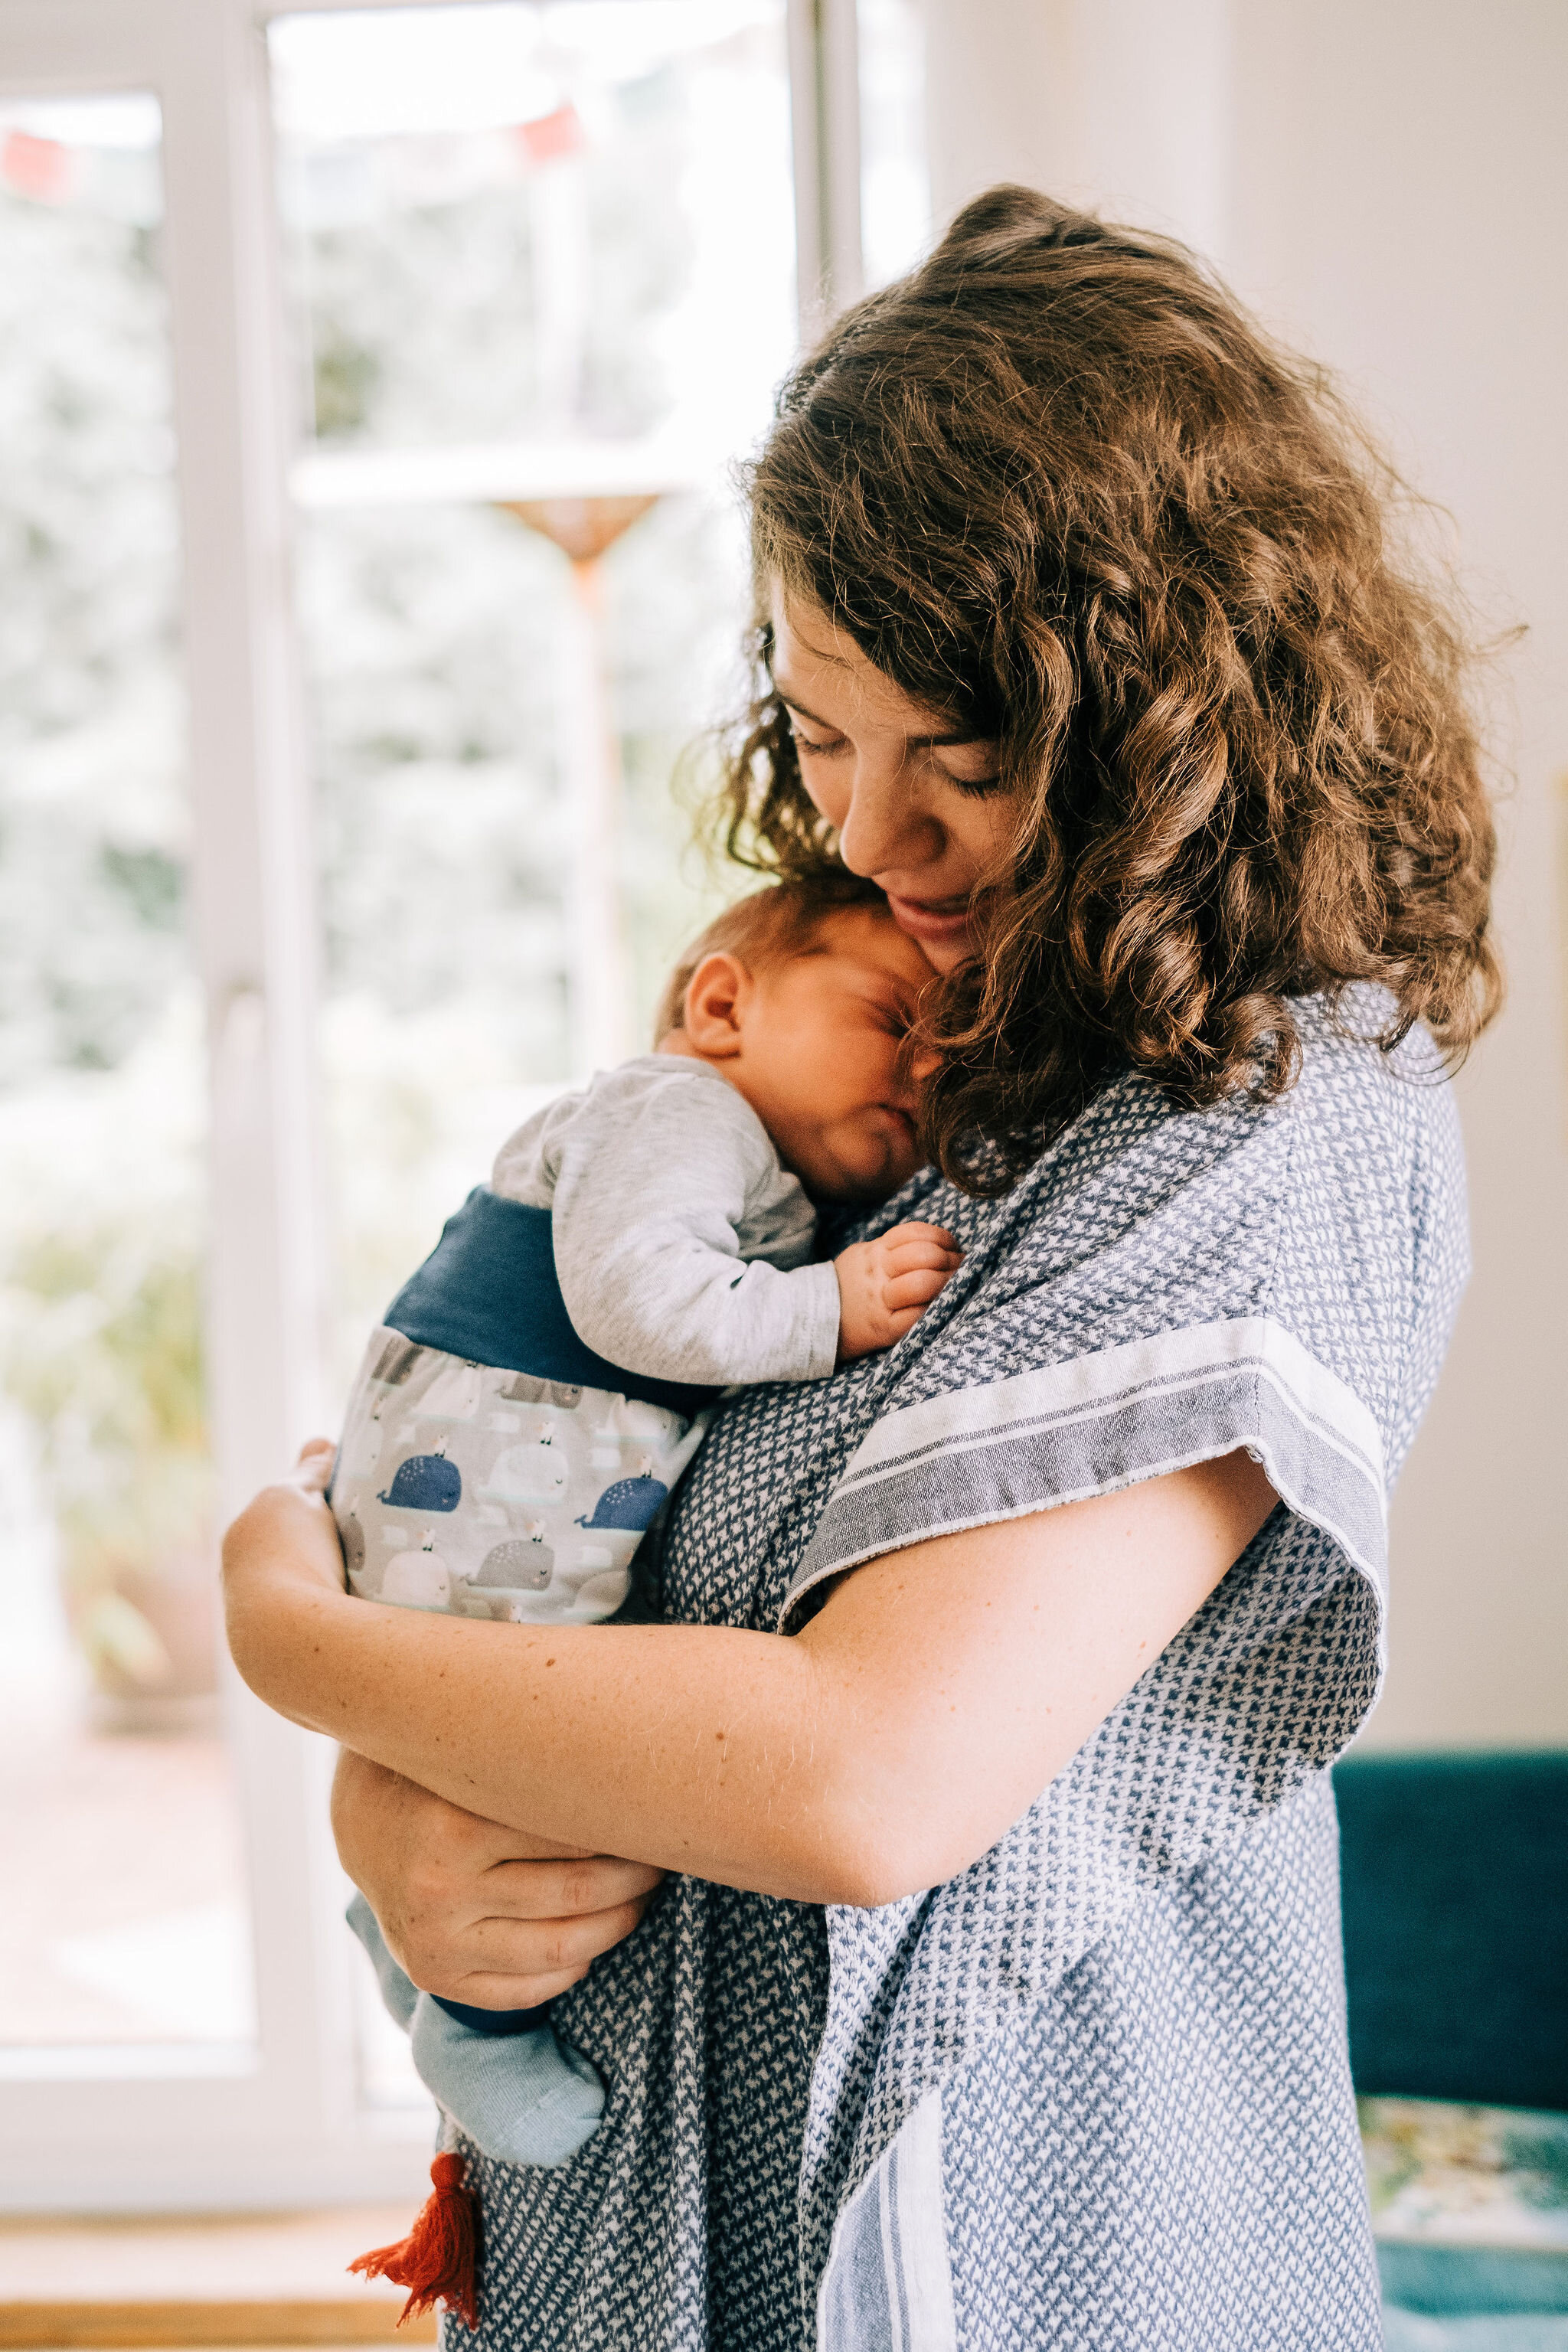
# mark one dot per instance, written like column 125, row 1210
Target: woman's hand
column 281, row 1559
column 471, row 1910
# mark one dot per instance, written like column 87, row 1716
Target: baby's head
column 803, row 996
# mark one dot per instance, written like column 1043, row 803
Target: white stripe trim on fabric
column 894, row 2316
column 1044, row 1438
column 1088, row 1384
column 888, row 2286
column 923, row 2231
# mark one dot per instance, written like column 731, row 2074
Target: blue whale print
column 351, row 1537
column 630, row 1503
column 516, row 1563
column 425, row 1482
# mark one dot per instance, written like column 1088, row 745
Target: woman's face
column 914, row 805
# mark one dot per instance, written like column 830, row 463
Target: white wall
column 1388, row 183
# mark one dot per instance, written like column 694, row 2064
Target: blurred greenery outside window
column 102, row 1129
column 564, row 225
column 567, row 230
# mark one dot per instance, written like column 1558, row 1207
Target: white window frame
column 194, row 2127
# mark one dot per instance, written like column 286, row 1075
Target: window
column 127, row 1922
column 539, row 261
column 369, row 379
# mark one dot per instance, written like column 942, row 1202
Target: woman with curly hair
column 993, row 1997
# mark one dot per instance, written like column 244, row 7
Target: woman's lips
column 930, row 918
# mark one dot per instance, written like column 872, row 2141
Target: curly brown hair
column 1056, row 484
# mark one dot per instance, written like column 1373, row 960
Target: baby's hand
column 886, row 1284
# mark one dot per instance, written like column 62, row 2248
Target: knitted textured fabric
column 1093, row 2092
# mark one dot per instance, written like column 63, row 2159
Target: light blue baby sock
column 521, row 2099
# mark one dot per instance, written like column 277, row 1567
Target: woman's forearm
column 883, row 1748
column 688, row 1746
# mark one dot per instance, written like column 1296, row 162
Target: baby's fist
column 886, row 1284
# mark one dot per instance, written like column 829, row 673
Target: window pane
column 124, row 1918
column 506, row 222
column 542, row 268
column 895, row 177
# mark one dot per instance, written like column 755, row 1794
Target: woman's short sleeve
column 1166, row 1288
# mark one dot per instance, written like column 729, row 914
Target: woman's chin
column 944, row 951
column 945, row 936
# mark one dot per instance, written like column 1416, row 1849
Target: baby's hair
column 766, row 929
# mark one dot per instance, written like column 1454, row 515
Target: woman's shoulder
column 1331, row 1221
column 1164, row 1286
column 1374, row 1191
column 1390, row 1095
column 1336, row 1210
column 1377, row 1123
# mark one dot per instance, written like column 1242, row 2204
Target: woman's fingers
column 473, row 1910
column 568, row 1889
column 537, row 1947
column 502, row 1963
column 312, row 1471
column 483, row 1991
column 448, row 1953
column 282, row 1541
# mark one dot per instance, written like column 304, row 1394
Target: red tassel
column 438, row 2259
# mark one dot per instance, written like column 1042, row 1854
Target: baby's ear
column 718, row 996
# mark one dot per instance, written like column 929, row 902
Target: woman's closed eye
column 974, row 787
column 987, row 777
column 812, row 747
column 811, row 744
column 949, row 760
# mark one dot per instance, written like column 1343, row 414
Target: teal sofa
column 1454, row 1873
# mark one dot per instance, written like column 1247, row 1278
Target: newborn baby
column 539, row 1385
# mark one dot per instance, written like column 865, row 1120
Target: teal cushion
column 1514, row 2331
column 1452, row 2279
column 1454, row 1873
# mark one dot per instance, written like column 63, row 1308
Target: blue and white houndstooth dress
column 1093, row 2092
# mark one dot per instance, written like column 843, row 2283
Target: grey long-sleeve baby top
column 682, row 1245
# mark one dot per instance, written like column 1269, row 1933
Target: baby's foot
column 522, row 2098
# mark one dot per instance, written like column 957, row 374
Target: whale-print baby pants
column 487, row 1493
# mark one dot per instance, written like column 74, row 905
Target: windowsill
column 225, row 2279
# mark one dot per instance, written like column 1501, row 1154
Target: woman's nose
column 883, row 830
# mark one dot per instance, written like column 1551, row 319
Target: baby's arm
column 647, row 1210
column 653, row 1279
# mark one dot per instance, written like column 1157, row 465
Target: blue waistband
column 488, row 1291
